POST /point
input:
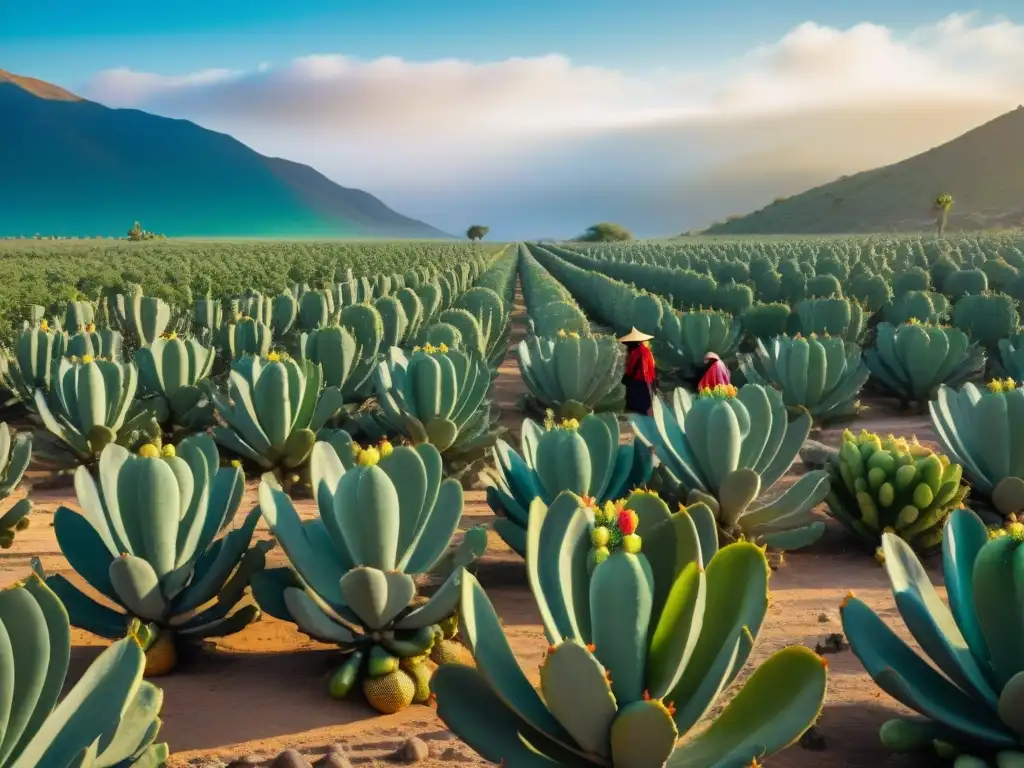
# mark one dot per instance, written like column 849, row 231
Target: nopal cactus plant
column 15, row 454
column 273, row 409
column 437, row 395
column 574, row 375
column 173, row 369
column 109, row 718
column 726, row 447
column 643, row 641
column 892, row 485
column 91, row 405
column 245, row 336
column 380, row 522
column 36, row 348
column 580, row 456
column 912, row 360
column 822, row 374
column 977, row 427
column 971, row 694
column 147, row 541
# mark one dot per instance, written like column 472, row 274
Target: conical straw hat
column 635, row 335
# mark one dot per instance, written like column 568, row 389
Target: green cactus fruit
column 344, row 677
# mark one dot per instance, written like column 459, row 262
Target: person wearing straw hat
column 717, row 372
column 641, row 376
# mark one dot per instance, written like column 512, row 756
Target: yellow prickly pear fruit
column 169, row 452
column 149, row 451
column 631, row 544
column 451, row 652
column 161, row 656
column 385, row 448
column 390, row 693
column 368, row 457
column 599, row 536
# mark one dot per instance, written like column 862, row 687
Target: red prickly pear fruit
column 627, row 522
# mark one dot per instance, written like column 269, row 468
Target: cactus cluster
column 438, row 395
column 15, row 454
column 970, row 691
column 108, row 719
column 822, row 374
column 582, row 456
column 573, row 374
column 912, row 360
column 893, row 485
column 977, row 427
column 726, row 448
column 643, row 640
column 274, row 407
column 149, row 540
column 382, row 520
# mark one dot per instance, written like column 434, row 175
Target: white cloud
column 464, row 132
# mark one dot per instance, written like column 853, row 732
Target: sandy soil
column 264, row 689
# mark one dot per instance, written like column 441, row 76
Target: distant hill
column 71, row 167
column 983, row 170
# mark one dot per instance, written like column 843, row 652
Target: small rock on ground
column 291, row 759
column 333, row 759
column 414, row 750
column 249, row 761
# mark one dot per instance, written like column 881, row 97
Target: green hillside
column 71, row 167
column 983, row 170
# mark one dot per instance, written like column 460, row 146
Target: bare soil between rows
column 264, row 690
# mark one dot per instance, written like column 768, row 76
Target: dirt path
column 264, row 690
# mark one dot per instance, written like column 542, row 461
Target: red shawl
column 716, row 374
column 640, row 365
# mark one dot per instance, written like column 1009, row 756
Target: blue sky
column 68, row 40
column 540, row 117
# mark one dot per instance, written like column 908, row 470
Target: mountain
column 72, row 167
column 983, row 170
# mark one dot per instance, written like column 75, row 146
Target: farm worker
column 641, row 377
column 717, row 372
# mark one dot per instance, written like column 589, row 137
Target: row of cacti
column 877, row 274
column 566, row 367
column 272, row 403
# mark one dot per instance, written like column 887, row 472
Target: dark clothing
column 641, row 378
column 639, row 396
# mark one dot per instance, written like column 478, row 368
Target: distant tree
column 605, row 232
column 941, row 207
column 477, row 232
column 137, row 233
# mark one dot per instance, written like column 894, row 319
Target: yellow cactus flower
column 1009, row 384
column 385, row 448
column 44, row 325
column 169, row 451
column 274, row 357
column 417, row 349
column 913, row 321
column 995, row 386
column 86, row 359
column 443, row 348
column 236, row 463
column 149, row 451
column 171, row 336
column 368, row 457
column 573, row 335
column 561, row 333
column 90, row 328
